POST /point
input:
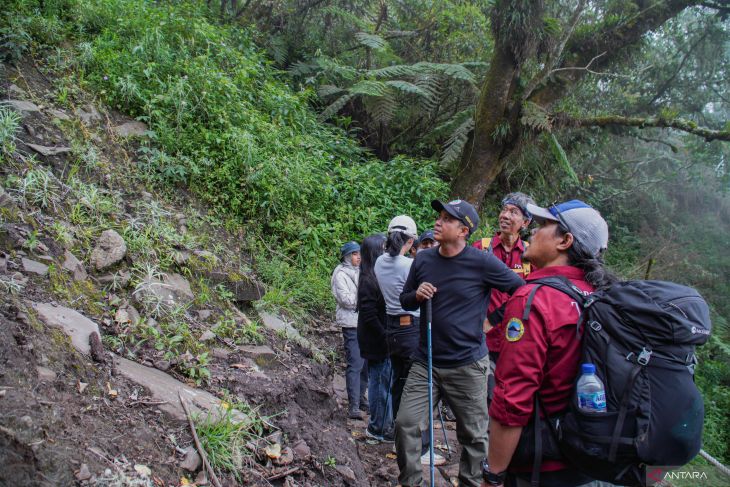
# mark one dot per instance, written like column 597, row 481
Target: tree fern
column 369, row 87
column 372, row 41
column 382, row 109
column 335, row 106
column 348, row 17
column 407, row 87
column 535, row 117
column 454, row 145
column 326, row 91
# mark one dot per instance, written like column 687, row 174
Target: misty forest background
column 306, row 123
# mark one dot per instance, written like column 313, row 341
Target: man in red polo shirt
column 541, row 355
column 507, row 246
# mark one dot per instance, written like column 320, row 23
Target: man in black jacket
column 458, row 279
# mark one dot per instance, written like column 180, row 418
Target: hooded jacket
column 344, row 288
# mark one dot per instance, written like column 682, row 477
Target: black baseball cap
column 461, row 210
column 427, row 235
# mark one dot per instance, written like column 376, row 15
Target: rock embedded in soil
column 207, row 336
column 49, row 151
column 165, row 388
column 88, row 114
column 130, row 129
column 192, row 460
column 74, row 266
column 110, row 249
column 59, row 114
column 77, row 326
column 84, row 473
column 34, row 267
column 347, row 473
column 301, row 450
column 17, row 91
column 179, row 285
column 45, row 374
column 23, row 106
column 261, row 354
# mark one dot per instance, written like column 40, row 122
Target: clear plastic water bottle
column 591, row 393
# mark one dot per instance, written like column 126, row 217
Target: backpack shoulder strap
column 558, row 283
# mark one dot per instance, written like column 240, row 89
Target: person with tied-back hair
column 344, row 288
column 541, row 356
column 391, row 270
column 371, row 338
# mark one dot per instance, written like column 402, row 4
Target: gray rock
column 261, row 354
column 59, row 114
column 121, row 277
column 301, row 450
column 74, row 266
column 110, row 249
column 192, row 460
column 45, row 374
column 162, row 364
column 27, row 421
column 23, row 106
column 49, row 151
column 244, row 288
column 165, row 388
column 133, row 314
column 220, row 353
column 34, row 267
column 340, row 387
column 347, row 473
column 16, row 91
column 84, row 473
column 181, row 257
column 6, row 201
column 73, row 323
column 204, row 314
column 201, row 479
column 207, row 336
column 179, row 285
column 130, row 129
column 88, row 114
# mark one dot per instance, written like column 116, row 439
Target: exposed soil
column 68, row 420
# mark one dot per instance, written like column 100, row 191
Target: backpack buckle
column 644, row 357
column 596, row 326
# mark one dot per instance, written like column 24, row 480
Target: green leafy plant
column 9, row 125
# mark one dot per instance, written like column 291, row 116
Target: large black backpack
column 641, row 336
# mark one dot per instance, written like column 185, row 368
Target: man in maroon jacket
column 541, row 355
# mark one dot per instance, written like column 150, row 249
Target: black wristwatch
column 490, row 477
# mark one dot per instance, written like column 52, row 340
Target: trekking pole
column 430, row 391
column 443, row 428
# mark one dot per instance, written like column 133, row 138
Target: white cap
column 405, row 224
column 583, row 221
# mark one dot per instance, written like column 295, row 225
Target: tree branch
column 565, row 120
column 613, row 39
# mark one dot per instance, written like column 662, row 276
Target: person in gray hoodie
column 344, row 288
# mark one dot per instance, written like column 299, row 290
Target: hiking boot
column 354, row 414
column 437, row 459
column 372, row 436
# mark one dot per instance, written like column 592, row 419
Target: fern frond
column 382, row 109
column 454, row 71
column 348, row 17
column 561, row 158
column 451, row 125
column 326, row 91
column 535, row 117
column 369, row 88
column 335, row 106
column 372, row 41
column 407, row 87
column 454, row 145
column 433, row 85
column 302, row 68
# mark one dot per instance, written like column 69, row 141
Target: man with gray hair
column 507, row 246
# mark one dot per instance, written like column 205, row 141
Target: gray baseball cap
column 582, row 220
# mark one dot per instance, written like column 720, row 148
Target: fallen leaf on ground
column 143, row 470
column 356, row 434
column 273, row 451
column 110, row 391
column 392, row 456
column 81, row 386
